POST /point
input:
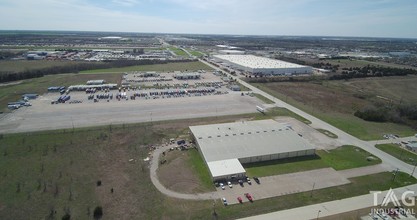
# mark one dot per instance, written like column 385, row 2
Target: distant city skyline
column 360, row 18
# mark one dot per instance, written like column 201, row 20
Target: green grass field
column 289, row 165
column 345, row 157
column 398, row 152
column 335, row 102
column 180, row 66
column 264, row 99
column 348, row 157
column 178, row 52
column 197, row 164
column 196, row 53
column 22, row 65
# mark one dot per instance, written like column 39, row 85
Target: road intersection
column 309, row 212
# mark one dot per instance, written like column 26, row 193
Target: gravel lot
column 42, row 115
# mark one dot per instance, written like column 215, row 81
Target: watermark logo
column 390, row 199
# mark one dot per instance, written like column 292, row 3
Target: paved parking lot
column 313, row 136
column 43, row 116
column 279, row 185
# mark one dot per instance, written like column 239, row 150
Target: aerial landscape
column 170, row 109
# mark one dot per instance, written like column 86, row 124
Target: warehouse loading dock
column 246, row 142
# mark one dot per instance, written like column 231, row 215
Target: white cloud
column 275, row 17
column 125, row 2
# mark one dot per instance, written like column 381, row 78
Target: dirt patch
column 326, row 97
column 177, row 175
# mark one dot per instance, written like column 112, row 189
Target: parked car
column 230, row 184
column 239, row 199
column 256, row 180
column 224, row 201
column 248, row 180
column 249, row 197
column 222, row 186
column 240, row 182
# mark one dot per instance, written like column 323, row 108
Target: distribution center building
column 225, row 147
column 262, row 65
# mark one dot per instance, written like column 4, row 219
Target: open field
column 196, row 53
column 336, row 101
column 61, row 169
column 178, row 51
column 348, row 157
column 185, row 171
column 11, row 93
column 342, row 158
column 263, row 98
column 179, row 66
column 399, row 152
column 22, row 65
column 58, row 171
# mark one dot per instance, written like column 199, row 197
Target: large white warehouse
column 262, row 65
column 225, row 147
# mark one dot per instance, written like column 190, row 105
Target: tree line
column 372, row 71
column 401, row 113
column 75, row 68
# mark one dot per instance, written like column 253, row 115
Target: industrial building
column 262, row 66
column 185, row 76
column 225, row 147
column 96, row 82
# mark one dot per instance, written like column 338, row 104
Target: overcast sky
column 371, row 18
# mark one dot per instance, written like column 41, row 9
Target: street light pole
column 318, row 214
column 311, row 194
column 412, row 173
column 395, row 174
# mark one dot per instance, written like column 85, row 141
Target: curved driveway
column 154, row 178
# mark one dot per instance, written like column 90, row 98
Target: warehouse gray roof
column 246, row 139
column 256, row 62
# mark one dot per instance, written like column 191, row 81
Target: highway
column 389, row 162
